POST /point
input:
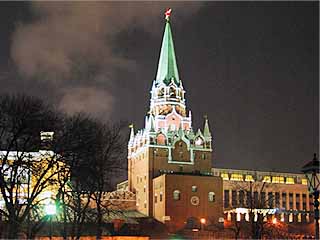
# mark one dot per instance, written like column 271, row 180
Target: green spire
column 206, row 130
column 167, row 66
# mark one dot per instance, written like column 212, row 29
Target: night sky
column 252, row 67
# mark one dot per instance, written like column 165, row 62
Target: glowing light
column 198, row 141
column 203, row 220
column 274, row 221
column 50, row 209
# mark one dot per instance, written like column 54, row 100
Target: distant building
column 279, row 195
column 170, row 165
column 32, row 176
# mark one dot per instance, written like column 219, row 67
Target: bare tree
column 22, row 119
column 79, row 149
column 81, row 162
column 94, row 152
column 110, row 153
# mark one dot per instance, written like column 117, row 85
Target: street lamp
column 274, row 221
column 50, row 210
column 311, row 170
column 203, row 222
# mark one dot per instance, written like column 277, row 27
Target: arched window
column 161, row 139
column 211, row 197
column 172, row 92
column 161, row 92
column 199, row 141
column 180, row 152
column 176, row 195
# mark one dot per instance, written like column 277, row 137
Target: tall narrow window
column 234, row 198
column 241, row 198
column 160, row 197
column 255, row 199
column 226, row 198
column 270, row 199
column 291, row 200
column 297, row 201
column 248, row 199
column 176, row 195
column 277, row 199
column 211, row 197
column 284, row 200
column 263, row 199
column 304, row 201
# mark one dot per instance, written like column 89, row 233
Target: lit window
column 266, row 179
column 161, row 139
column 211, row 197
column 176, row 195
column 225, row 176
column 236, row 177
column 145, row 204
column 277, row 179
column 289, row 180
column 198, row 142
column 194, row 188
column 249, row 178
column 304, row 181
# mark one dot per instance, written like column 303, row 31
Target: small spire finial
column 167, row 13
column 315, row 157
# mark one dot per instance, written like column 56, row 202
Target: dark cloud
column 70, row 45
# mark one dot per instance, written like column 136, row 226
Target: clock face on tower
column 194, row 200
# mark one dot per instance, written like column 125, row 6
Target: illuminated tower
column 167, row 144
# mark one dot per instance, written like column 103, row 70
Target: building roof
column 129, row 216
column 257, row 172
column 14, row 155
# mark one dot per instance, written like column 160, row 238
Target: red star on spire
column 168, row 13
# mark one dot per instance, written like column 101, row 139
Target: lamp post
column 311, row 170
column 203, row 222
column 50, row 210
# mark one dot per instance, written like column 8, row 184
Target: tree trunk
column 99, row 222
column 14, row 229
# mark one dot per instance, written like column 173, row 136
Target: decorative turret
column 131, row 139
column 206, row 129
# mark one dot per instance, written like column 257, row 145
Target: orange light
column 203, row 220
column 274, row 221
